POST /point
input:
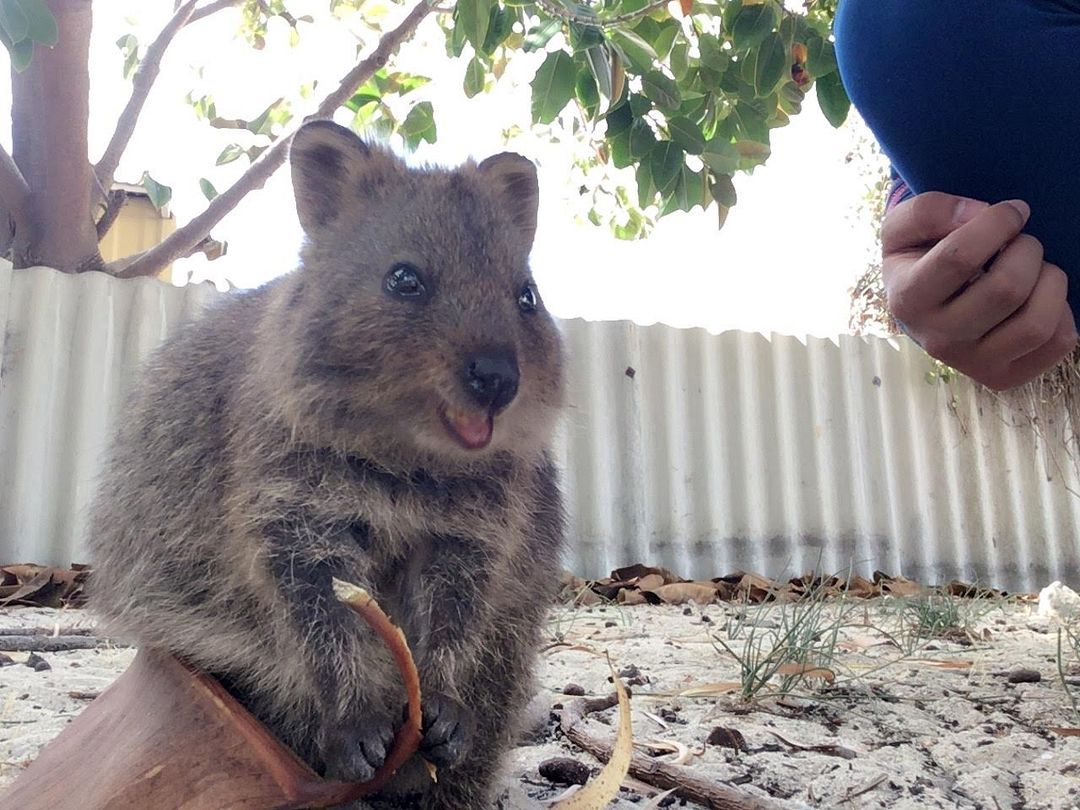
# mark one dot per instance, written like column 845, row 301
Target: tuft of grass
column 936, row 615
column 786, row 645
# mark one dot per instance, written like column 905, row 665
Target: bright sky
column 783, row 262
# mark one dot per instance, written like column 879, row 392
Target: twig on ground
column 54, row 643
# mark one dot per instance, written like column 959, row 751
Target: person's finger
column 954, row 261
column 1032, row 365
column 1036, row 323
column 995, row 295
column 925, row 219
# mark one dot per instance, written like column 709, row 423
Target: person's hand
column 974, row 291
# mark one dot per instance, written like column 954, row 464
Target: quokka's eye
column 528, row 300
column 404, row 281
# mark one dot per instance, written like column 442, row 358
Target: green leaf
column 833, row 98
column 791, row 98
column 500, row 25
column 419, row 125
column 587, row 95
column 689, row 191
column 753, row 23
column 474, row 78
column 129, row 46
column 820, row 57
column 21, row 55
column 665, row 161
column 665, row 37
column 264, row 123
column 207, row 188
column 686, row 134
column 41, row 26
column 713, row 56
column 474, row 16
column 637, row 51
column 680, row 60
column 642, row 139
column 455, row 41
column 552, row 87
column 731, row 11
column 723, row 190
column 620, row 150
column 600, row 66
column 771, row 63
column 639, row 105
column 229, row 154
column 788, row 27
column 645, row 186
column 662, row 90
column 13, row 21
column 158, row 193
column 721, row 156
column 750, row 122
column 361, row 100
column 583, row 37
column 540, row 35
column 619, row 120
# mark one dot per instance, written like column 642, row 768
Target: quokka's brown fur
column 299, row 432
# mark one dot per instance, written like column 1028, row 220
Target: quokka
column 382, row 415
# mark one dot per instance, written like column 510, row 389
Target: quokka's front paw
column 354, row 750
column 447, row 728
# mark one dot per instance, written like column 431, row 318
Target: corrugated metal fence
column 705, row 453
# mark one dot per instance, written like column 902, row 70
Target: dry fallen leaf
column 604, row 787
column 831, row 750
column 807, row 671
column 711, row 689
column 1066, row 732
column 947, row 664
column 682, row 752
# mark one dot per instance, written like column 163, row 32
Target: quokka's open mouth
column 471, row 429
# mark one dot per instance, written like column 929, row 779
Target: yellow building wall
column 139, row 227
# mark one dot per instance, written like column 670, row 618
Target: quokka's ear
column 512, row 178
column 333, row 168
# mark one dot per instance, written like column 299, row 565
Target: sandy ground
column 907, row 723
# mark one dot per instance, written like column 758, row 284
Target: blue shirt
column 975, row 97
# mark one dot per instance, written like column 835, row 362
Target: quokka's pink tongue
column 473, row 428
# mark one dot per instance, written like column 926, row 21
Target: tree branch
column 14, row 191
column 212, row 8
column 557, row 11
column 182, row 240
column 114, row 202
column 144, row 79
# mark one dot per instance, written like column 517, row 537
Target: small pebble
column 577, row 690
column 37, row 663
column 610, row 623
column 1025, row 676
column 687, row 611
column 564, row 771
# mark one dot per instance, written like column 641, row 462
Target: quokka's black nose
column 491, row 378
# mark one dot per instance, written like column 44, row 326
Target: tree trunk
column 50, row 113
